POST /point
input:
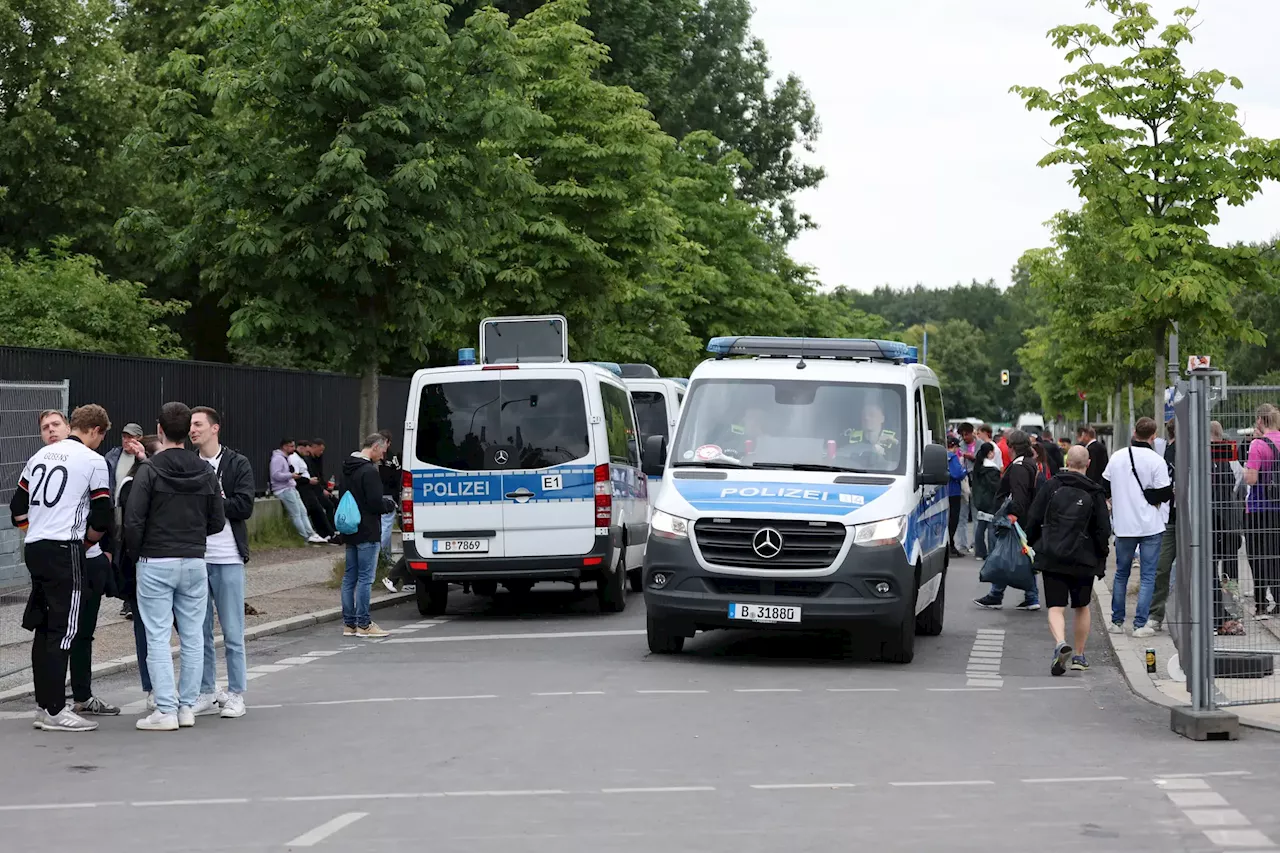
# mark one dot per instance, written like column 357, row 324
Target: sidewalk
column 279, row 584
column 1160, row 688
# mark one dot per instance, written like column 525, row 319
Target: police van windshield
column 762, row 423
column 538, row 422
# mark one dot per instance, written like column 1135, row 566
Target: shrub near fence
column 258, row 405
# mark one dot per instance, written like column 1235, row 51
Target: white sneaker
column 317, row 539
column 389, row 584
column 40, row 716
column 233, row 707
column 151, row 701
column 206, row 705
column 1115, row 628
column 1156, row 625
column 158, row 721
column 186, row 718
column 1144, row 632
column 409, row 588
column 221, row 697
column 66, row 720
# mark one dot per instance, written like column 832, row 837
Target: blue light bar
column 610, row 366
column 814, row 348
column 466, row 356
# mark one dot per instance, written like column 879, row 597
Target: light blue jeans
column 388, row 522
column 964, row 532
column 357, row 584
column 297, row 512
column 169, row 588
column 1148, row 549
column 226, row 590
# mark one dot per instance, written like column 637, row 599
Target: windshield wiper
column 802, row 466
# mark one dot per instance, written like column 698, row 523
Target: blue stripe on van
column 440, row 487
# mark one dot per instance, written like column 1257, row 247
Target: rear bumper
column 568, row 567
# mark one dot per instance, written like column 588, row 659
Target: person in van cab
column 875, row 446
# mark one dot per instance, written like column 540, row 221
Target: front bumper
column 572, row 567
column 697, row 599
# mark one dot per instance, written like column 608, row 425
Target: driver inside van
column 873, row 440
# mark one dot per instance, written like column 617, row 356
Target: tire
column 929, row 622
column 611, row 588
column 432, row 597
column 485, row 588
column 662, row 641
column 635, row 578
column 900, row 645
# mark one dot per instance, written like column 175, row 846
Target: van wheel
column 611, row 588
column 432, row 597
column 900, row 645
column 662, row 641
column 635, row 578
column 485, row 588
column 929, row 622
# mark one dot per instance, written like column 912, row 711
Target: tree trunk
column 369, row 399
column 1133, row 417
column 1162, row 365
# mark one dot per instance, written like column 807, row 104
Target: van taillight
column 406, row 502
column 604, row 497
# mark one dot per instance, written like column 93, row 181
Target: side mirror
column 654, row 460
column 933, row 467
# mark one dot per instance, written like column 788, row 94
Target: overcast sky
column 931, row 162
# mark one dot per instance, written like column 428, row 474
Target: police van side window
column 934, row 414
column 651, row 412
column 920, row 423
column 619, row 426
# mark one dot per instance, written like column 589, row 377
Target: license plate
column 459, row 546
column 764, row 612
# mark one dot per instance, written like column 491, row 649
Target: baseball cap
column 133, row 430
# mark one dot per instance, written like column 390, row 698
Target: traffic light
column 1004, row 377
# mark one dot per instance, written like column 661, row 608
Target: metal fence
column 1227, row 587
column 20, row 406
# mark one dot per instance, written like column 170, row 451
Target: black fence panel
column 258, row 405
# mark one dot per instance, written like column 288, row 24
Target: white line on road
column 559, row 693
column 688, row 789
column 983, row 668
column 669, row 692
column 796, row 786
column 327, row 654
column 993, row 687
column 767, row 690
column 257, row 707
column 1196, row 799
column 1251, row 838
column 558, row 635
column 264, row 668
column 947, row 784
column 1198, row 775
column 527, row 793
column 228, row 801
column 862, row 690
column 298, row 661
column 43, row 807
column 324, row 830
column 1073, row 779
column 1183, row 784
column 1216, row 817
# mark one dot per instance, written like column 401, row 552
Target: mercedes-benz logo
column 767, row 543
column 500, row 457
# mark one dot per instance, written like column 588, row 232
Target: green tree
column 958, row 355
column 1154, row 152
column 355, row 162
column 92, row 312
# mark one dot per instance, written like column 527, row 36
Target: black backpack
column 1269, row 480
column 1065, row 537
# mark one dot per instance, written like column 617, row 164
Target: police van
column 657, row 403
column 521, row 468
column 805, row 489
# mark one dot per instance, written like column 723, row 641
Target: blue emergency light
column 848, row 348
column 467, row 356
column 610, row 366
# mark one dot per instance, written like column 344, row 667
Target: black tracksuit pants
column 53, row 614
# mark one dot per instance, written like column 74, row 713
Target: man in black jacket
column 1070, row 529
column 226, row 552
column 1098, row 458
column 175, row 505
column 1018, row 487
column 360, row 479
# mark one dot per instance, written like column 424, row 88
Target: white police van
column 805, row 490
column 522, row 468
column 657, row 402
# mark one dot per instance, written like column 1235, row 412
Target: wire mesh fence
column 1244, row 543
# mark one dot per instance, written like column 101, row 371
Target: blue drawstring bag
column 347, row 518
column 1008, row 562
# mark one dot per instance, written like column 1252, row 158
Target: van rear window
column 538, row 422
column 651, row 412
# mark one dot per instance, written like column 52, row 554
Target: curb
column 293, row 623
column 1135, row 673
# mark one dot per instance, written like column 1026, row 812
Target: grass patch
column 340, row 568
column 275, row 532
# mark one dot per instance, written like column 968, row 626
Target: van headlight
column 890, row 531
column 669, row 526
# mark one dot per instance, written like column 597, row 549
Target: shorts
column 1061, row 589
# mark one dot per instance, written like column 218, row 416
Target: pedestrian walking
column 1098, row 459
column 1140, row 492
column 1069, row 528
column 63, row 502
column 226, row 553
column 1168, row 543
column 360, row 480
column 1017, row 489
column 968, row 454
column 284, row 485
column 175, row 505
column 986, row 485
column 1262, row 510
column 957, row 474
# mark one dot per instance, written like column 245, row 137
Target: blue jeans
column 297, row 512
column 357, row 584
column 226, row 590
column 168, row 588
column 140, row 646
column 980, row 539
column 388, row 522
column 1148, row 548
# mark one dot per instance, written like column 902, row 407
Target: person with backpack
column 359, row 520
column 985, row 483
column 1014, row 497
column 1262, row 509
column 1070, row 529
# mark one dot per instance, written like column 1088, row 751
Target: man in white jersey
column 63, row 501
column 225, row 555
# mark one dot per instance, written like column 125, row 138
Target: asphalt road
column 538, row 724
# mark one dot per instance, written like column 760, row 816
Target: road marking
column 670, row 692
column 1216, row 817
column 257, row 707
column 324, row 830
column 1183, row 784
column 1072, row 779
column 1198, row 775
column 797, row 786
column 558, row 635
column 327, row 654
column 454, row 698
column 44, row 807
column 526, row 793
column 862, row 690
column 589, row 693
column 767, row 690
column 1196, row 799
column 264, row 668
column 561, row 693
column 948, row 784
column 230, row 801
column 688, row 789
column 329, row 798
column 298, row 661
column 963, row 689
column 983, row 669
column 1238, row 838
